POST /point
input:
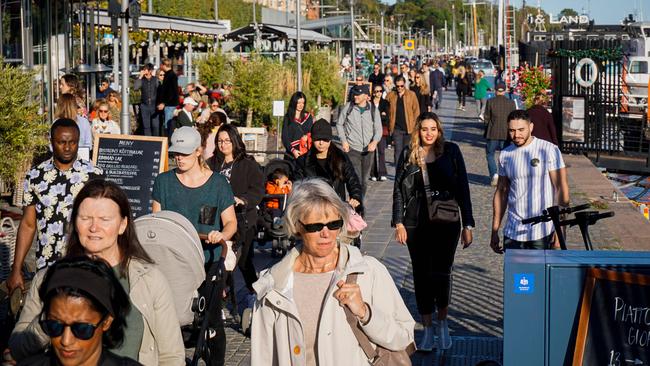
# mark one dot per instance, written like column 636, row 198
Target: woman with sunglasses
column 214, row 107
column 378, row 171
column 84, row 314
column 421, row 90
column 101, row 226
column 302, row 301
column 103, row 122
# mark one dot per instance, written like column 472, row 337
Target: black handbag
column 442, row 207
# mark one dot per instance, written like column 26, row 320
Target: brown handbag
column 378, row 355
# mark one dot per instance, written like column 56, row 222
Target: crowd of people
column 324, row 300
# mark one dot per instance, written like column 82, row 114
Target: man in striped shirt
column 532, row 177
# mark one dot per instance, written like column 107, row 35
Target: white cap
column 185, row 140
column 190, row 100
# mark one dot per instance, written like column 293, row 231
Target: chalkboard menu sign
column 133, row 162
column 614, row 327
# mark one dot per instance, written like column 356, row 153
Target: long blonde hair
column 66, row 107
column 415, row 144
column 424, row 86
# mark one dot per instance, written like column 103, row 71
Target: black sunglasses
column 82, row 331
column 316, row 227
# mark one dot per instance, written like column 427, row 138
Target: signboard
column 573, row 119
column 133, row 163
column 614, row 327
column 278, row 108
column 409, row 44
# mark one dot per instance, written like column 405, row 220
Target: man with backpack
column 359, row 128
column 403, row 111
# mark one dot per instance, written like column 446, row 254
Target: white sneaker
column 373, row 179
column 383, row 178
column 444, row 340
column 427, row 341
column 480, row 116
column 495, row 179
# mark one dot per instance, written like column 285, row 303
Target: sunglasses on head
column 318, row 226
column 82, row 331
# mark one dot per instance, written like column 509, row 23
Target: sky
column 602, row 11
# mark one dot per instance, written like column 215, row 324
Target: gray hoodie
column 359, row 129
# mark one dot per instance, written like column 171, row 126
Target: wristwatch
column 469, row 227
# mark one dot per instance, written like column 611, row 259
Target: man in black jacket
column 376, row 78
column 437, row 82
column 167, row 97
column 148, row 84
column 497, row 110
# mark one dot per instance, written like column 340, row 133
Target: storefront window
column 11, row 39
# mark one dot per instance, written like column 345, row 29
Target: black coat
column 436, row 80
column 307, row 167
column 107, row 359
column 247, row 182
column 409, row 195
column 167, row 92
column 293, row 131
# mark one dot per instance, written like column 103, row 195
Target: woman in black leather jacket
column 326, row 160
column 432, row 246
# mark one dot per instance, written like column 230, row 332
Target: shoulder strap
column 362, row 338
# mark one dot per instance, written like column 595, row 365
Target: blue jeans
column 438, row 98
column 150, row 123
column 401, row 139
column 490, row 148
column 169, row 114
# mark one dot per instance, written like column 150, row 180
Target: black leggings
column 432, row 248
column 245, row 262
column 461, row 96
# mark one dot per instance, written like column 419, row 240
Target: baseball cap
column 360, row 89
column 185, row 140
column 321, row 130
column 190, row 100
column 501, row 87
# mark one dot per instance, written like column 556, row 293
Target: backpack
column 372, row 111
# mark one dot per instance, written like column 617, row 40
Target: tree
column 324, row 80
column 22, row 131
column 239, row 12
column 215, row 68
column 255, row 83
column 568, row 12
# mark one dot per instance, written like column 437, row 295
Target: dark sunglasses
column 82, row 331
column 400, row 86
column 316, row 227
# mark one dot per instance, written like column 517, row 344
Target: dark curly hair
column 119, row 300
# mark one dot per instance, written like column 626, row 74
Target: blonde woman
column 462, row 86
column 421, row 90
column 442, row 163
column 67, row 107
column 103, row 122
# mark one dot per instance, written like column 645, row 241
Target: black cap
column 360, row 89
column 501, row 87
column 321, row 130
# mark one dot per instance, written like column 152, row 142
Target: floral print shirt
column 52, row 192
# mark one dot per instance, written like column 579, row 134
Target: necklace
column 310, row 269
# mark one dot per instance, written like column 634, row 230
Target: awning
column 270, row 32
column 166, row 23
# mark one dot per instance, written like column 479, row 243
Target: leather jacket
column 408, row 192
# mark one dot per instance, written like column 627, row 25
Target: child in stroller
column 279, row 173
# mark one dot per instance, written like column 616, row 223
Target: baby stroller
column 270, row 224
column 174, row 245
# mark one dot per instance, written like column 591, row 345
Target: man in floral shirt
column 50, row 189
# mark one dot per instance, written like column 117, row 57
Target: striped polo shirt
column 531, row 190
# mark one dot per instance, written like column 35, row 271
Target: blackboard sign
column 614, row 327
column 133, row 162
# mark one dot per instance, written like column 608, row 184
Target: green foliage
column 324, row 78
column 22, row 130
column 604, row 54
column 254, row 85
column 532, row 82
column 239, row 12
column 568, row 12
column 214, row 69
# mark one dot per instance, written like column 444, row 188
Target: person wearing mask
column 148, row 86
column 308, row 302
column 101, row 227
column 167, row 96
column 543, row 120
column 481, row 87
column 206, row 199
column 296, row 126
column 103, row 122
column 67, row 107
column 431, row 166
column 247, row 182
column 404, row 110
column 84, row 315
column 497, row 110
column 359, row 128
column 379, row 171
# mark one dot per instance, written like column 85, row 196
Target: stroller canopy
column 173, row 243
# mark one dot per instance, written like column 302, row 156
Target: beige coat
column 277, row 338
column 162, row 342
